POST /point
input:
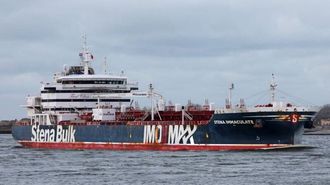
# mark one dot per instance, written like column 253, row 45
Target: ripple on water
column 34, row 166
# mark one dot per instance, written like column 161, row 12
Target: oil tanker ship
column 84, row 110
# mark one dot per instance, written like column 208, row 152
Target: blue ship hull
column 227, row 131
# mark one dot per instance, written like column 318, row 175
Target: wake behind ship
column 84, row 110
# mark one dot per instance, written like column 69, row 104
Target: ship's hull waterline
column 232, row 131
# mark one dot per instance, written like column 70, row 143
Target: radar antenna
column 105, row 65
column 85, row 55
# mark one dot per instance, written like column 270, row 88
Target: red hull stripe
column 141, row 146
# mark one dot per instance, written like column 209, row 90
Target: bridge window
column 94, row 82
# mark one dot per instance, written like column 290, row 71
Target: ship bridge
column 78, row 70
column 75, row 88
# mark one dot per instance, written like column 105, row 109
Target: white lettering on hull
column 177, row 134
column 234, row 122
column 152, row 134
column 57, row 134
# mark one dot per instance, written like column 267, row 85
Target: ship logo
column 174, row 134
column 57, row 134
column 152, row 134
column 178, row 134
column 294, row 118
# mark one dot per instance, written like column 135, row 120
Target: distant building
column 325, row 122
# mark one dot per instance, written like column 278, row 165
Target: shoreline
column 5, row 126
column 318, row 131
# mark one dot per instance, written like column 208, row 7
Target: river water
column 36, row 166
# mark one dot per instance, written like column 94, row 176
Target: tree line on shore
column 322, row 114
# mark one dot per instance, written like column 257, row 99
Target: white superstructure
column 77, row 87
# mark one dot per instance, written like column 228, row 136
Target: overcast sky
column 188, row 49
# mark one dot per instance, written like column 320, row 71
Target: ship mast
column 231, row 88
column 273, row 86
column 105, row 65
column 152, row 101
column 85, row 55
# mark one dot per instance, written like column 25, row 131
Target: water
column 35, row 166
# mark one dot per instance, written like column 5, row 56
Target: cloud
column 188, row 49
